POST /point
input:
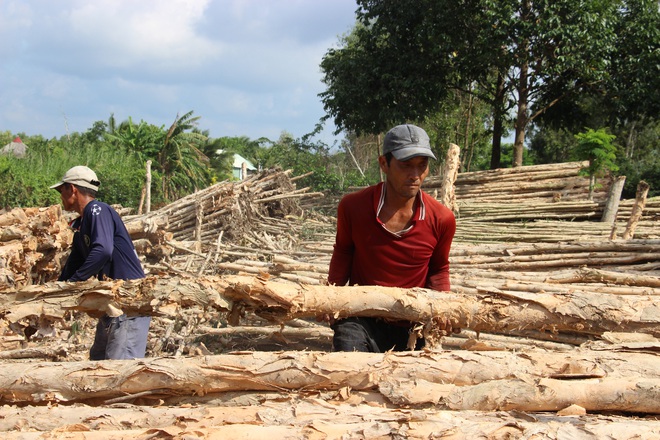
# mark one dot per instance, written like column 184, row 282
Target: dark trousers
column 370, row 335
column 122, row 337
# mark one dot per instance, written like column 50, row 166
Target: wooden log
column 323, row 416
column 613, row 199
column 491, row 309
column 447, row 194
column 638, row 208
column 55, row 353
column 487, row 311
column 155, row 296
column 536, row 381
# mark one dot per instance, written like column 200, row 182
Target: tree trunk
column 498, row 123
column 523, row 92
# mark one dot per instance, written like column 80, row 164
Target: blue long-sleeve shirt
column 101, row 247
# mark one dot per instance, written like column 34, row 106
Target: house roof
column 15, row 147
column 238, row 162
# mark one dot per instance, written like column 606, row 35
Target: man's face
column 67, row 194
column 405, row 177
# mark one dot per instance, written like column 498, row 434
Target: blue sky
column 247, row 67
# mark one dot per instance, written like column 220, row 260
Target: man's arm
column 342, row 255
column 438, row 276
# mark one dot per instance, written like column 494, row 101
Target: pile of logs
column 32, row 244
column 559, row 325
column 549, row 183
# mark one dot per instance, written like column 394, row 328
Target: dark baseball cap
column 407, row 141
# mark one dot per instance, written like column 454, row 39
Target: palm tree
column 184, row 166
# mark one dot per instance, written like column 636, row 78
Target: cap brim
column 404, row 154
column 57, row 185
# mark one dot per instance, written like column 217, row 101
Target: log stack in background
column 33, row 242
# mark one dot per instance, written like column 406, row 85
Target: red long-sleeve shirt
column 365, row 253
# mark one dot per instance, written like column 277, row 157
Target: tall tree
column 404, row 55
column 183, row 164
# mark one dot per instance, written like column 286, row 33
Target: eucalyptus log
column 96, row 382
column 447, row 194
column 613, row 200
column 156, row 296
column 491, row 309
column 347, row 415
column 638, row 208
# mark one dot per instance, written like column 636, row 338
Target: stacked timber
column 227, row 209
column 621, row 376
column 554, row 191
column 33, row 242
column 550, row 183
column 558, row 336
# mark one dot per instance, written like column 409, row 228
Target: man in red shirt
column 391, row 234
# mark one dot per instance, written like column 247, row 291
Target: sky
column 246, row 67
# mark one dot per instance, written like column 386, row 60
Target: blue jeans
column 372, row 335
column 122, row 337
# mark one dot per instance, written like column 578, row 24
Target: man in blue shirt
column 102, row 248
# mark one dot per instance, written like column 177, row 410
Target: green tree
column 184, row 166
column 596, row 146
column 405, row 55
column 143, row 139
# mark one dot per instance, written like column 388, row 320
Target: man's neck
column 83, row 201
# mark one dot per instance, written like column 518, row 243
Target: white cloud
column 249, row 65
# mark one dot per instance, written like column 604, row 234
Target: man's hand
column 325, row 317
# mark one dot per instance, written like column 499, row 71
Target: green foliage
column 25, row 182
column 183, row 164
column 596, row 147
column 21, row 186
column 508, row 151
column 642, row 161
column 403, row 58
column 143, row 139
column 304, row 156
column 552, row 146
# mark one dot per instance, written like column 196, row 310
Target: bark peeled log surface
column 638, row 208
column 357, row 416
column 459, row 380
column 447, row 195
column 489, row 311
column 613, row 200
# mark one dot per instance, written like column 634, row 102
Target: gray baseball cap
column 407, row 141
column 79, row 175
